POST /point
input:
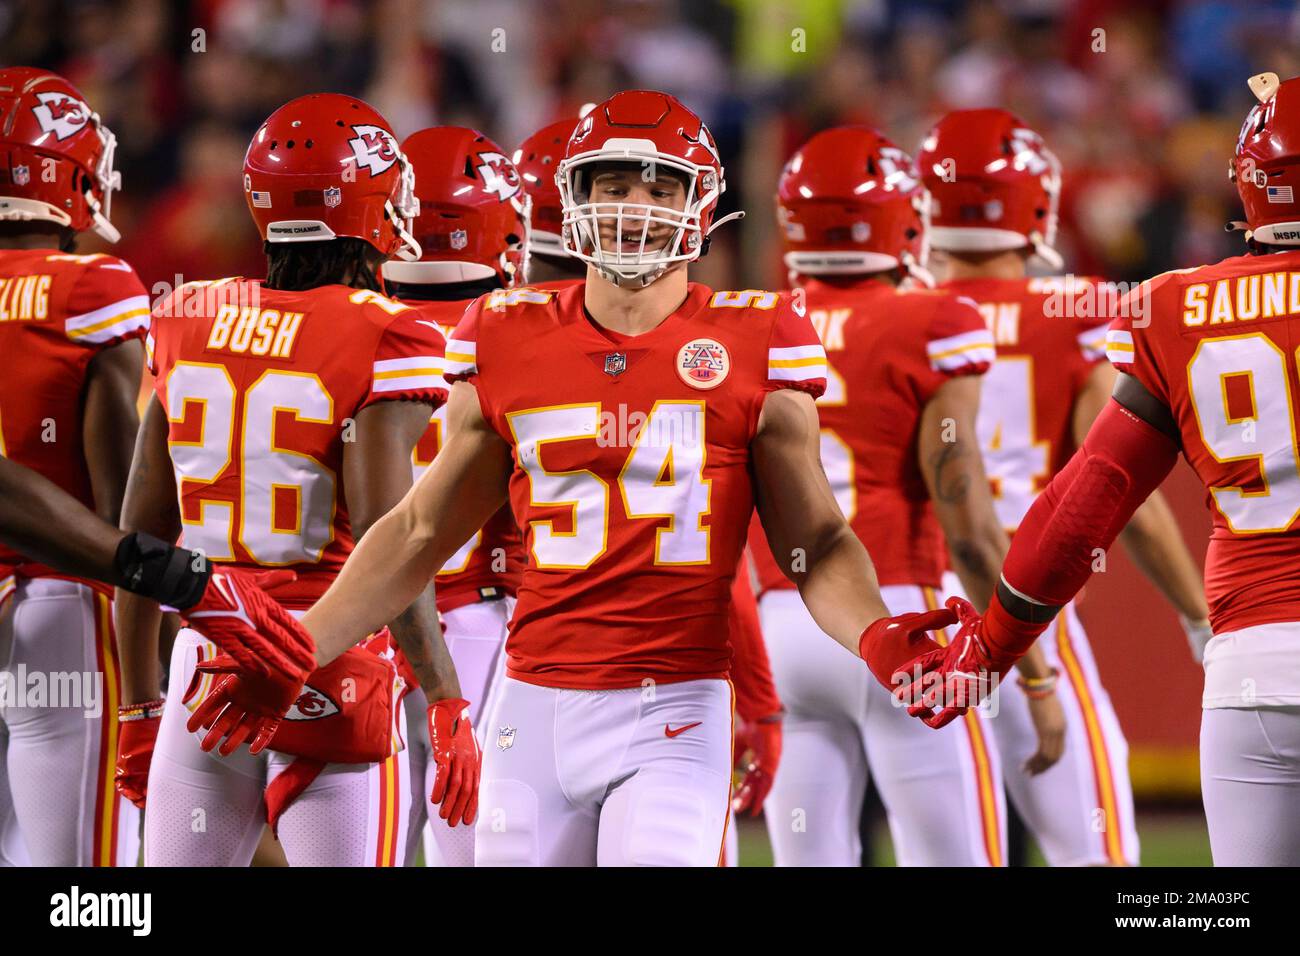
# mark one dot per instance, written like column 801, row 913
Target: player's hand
column 137, row 730
column 457, row 757
column 263, row 638
column 1049, row 723
column 762, row 740
column 952, row 678
column 241, row 707
column 1198, row 635
column 892, row 645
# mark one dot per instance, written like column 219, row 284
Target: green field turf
column 1168, row 838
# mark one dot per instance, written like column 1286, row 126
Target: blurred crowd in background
column 1141, row 99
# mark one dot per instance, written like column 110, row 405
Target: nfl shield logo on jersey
column 505, row 738
column 21, row 175
column 615, row 363
column 333, row 196
column 703, row 363
column 459, row 238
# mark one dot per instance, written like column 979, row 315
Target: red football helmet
column 1266, row 167
column 850, row 201
column 993, row 183
column 537, row 159
column 647, row 130
column 325, row 166
column 58, row 154
column 473, row 209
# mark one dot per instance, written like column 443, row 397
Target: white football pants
column 58, row 730
column 1250, row 781
column 635, row 777
column 1080, row 810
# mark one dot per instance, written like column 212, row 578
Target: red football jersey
column 262, row 388
column 489, row 564
column 1049, row 339
column 889, row 351
column 1217, row 344
column 631, row 479
column 57, row 311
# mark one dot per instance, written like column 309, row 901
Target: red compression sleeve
column 751, row 672
column 1086, row 505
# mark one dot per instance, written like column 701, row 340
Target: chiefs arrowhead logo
column 374, row 148
column 61, row 114
column 311, row 705
column 498, row 175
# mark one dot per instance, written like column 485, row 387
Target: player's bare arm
column 110, row 422
column 150, row 505
column 1152, row 537
column 402, row 551
column 41, row 520
column 376, row 478
column 950, row 460
column 799, row 514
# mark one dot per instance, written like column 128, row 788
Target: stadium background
column 1141, row 100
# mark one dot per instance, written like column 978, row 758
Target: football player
column 472, row 230
column 537, row 159
column 898, row 444
column 1206, row 365
column 995, row 187
column 73, row 324
column 632, row 421
column 282, row 425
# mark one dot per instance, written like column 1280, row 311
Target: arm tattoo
column 951, row 481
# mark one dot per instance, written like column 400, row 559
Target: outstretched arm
column 1151, row 537
column 400, row 553
column 815, row 546
column 1127, row 453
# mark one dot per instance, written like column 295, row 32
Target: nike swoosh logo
column 432, row 325
column 669, row 732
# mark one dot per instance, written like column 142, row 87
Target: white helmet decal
column 374, row 148
column 498, row 176
column 61, row 114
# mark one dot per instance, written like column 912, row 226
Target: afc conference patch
column 703, row 363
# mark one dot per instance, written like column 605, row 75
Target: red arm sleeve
column 751, row 672
column 1083, row 509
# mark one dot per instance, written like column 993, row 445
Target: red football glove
column 137, row 729
column 954, row 678
column 241, row 707
column 263, row 638
column 892, row 644
column 456, row 754
column 763, row 740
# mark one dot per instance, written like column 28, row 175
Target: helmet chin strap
column 1046, row 253
column 917, row 271
column 410, row 250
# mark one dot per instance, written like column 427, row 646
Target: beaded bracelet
column 145, row 711
column 1038, row 688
